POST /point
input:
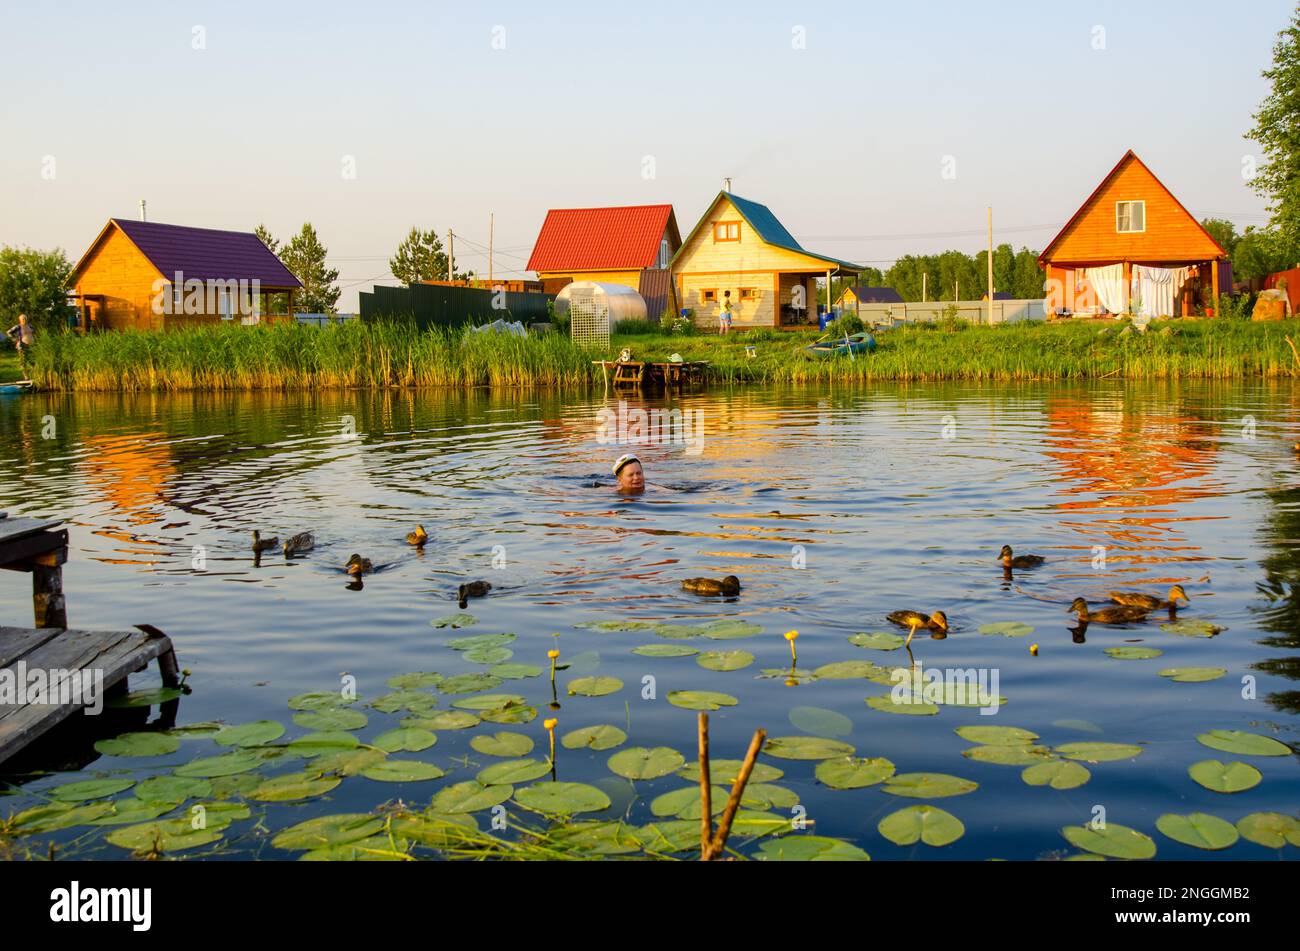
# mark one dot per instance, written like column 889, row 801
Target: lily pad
column 416, row 680
column 1008, row 755
column 515, row 671
column 1088, row 752
column 727, row 770
column 346, row 762
column 139, row 744
column 640, row 762
column 725, row 660
column 562, row 799
column 1008, row 629
column 847, row 772
column 701, row 699
column 820, row 721
column 132, row 810
column 594, row 686
column 52, row 816
column 477, row 641
column 1132, row 652
column 1242, row 743
column 728, row 630
column 1113, row 841
column 1222, row 777
column 1057, row 773
column 377, row 848
column 228, row 764
column 172, row 789
column 877, row 641
column 292, row 787
column 455, row 621
column 417, row 701
column 928, row 785
column 912, row 708
column 327, row 741
column 469, row 683
column 489, row 655
column 1270, row 829
column 1193, row 675
column 318, row 700
column 928, row 824
column 446, row 720
column 405, row 739
column 596, row 838
column 1190, row 628
column 1199, row 830
column 146, row 698
column 519, row 713
column 664, row 650
column 811, row 848
column 602, row 737
column 402, row 771
column 328, row 830
column 503, row 744
column 846, row 670
column 257, row 733
column 806, row 748
column 513, row 771
column 489, row 701
column 997, row 735
column 470, row 796
column 169, row 835
column 330, row 720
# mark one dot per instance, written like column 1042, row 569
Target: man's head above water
column 631, row 477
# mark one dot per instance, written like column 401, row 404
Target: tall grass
column 290, row 356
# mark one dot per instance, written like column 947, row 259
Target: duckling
column 359, row 566
column 728, row 587
column 472, row 589
column 1018, row 561
column 261, row 544
column 417, row 537
column 1123, row 614
column 936, row 623
column 300, row 544
column 1150, row 602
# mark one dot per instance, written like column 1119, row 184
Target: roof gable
column 1174, row 234
column 601, row 239
column 765, row 224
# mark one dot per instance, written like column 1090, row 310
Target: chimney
column 143, row 217
column 726, row 185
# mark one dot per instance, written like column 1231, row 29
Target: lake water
column 833, row 507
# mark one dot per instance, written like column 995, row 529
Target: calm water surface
column 891, row 497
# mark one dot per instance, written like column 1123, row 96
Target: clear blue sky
column 844, row 139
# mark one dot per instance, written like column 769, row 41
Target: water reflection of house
column 131, row 473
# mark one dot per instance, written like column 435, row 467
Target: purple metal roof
column 207, row 253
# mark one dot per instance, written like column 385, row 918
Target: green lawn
column 9, row 368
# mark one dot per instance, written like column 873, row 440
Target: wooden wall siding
column 630, row 279
column 1171, row 233
column 744, row 313
column 119, row 271
column 750, row 253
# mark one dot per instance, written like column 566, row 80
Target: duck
column 1150, row 602
column 359, row 566
column 261, row 544
column 1018, row 561
column 300, row 544
column 728, row 587
column 1124, row 614
column 936, row 623
column 472, row 589
column 417, row 537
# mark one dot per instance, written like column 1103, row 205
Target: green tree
column 305, row 256
column 1277, row 130
column 1258, row 254
column 1224, row 232
column 267, row 239
column 31, row 283
column 419, row 257
column 1028, row 278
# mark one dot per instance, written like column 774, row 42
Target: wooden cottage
column 1132, row 248
column 149, row 276
column 855, row 295
column 740, row 246
column 629, row 245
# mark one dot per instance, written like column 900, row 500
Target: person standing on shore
column 23, row 337
column 724, row 319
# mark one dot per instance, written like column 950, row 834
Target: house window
column 709, row 297
column 1130, row 216
column 665, row 254
column 726, row 231
column 749, row 293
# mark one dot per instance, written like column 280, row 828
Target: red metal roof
column 597, row 239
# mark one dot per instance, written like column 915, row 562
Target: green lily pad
column 89, row 789
column 433, row 829
column 1199, row 830
column 416, row 701
column 606, row 627
column 329, row 741
column 1190, row 628
column 762, row 796
column 596, row 838
column 139, row 744
column 594, row 686
column 1193, row 675
column 478, row 641
column 1272, row 830
column 377, row 848
column 347, row 762
column 1131, row 652
column 513, row 771
column 402, row 771
column 806, row 747
column 725, row 660
column 562, row 799
column 331, row 720
column 877, row 641
column 886, row 704
column 455, row 620
column 602, row 737
column 172, row 789
column 169, row 835
column 515, row 714
column 1113, row 841
column 664, row 650
column 489, row 655
column 146, row 698
column 640, row 762
column 328, row 830
column 727, row 770
column 666, row 838
column 792, row 676
column 810, row 848
column 677, row 632
column 446, row 720
column 1057, row 773
column 292, row 787
column 416, row 680
column 469, row 683
column 257, row 733
column 470, row 796
column 1243, row 744
column 1088, row 752
column 515, row 671
column 728, row 630
column 701, row 699
column 240, row 784
column 847, row 772
column 820, row 721
column 194, row 731
column 405, row 739
column 1008, row 629
column 928, row 785
column 846, row 670
column 1225, row 777
column 53, row 816
column 503, row 744
column 489, row 701
column 1008, row 755
column 928, row 824
column 318, row 700
column 132, row 810
column 997, row 735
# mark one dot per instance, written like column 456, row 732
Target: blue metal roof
column 771, row 230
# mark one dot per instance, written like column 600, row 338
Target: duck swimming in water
column 936, row 623
column 300, row 544
column 728, row 587
column 1149, row 602
column 261, row 544
column 417, row 537
column 1008, row 560
column 1124, row 614
column 359, row 566
column 472, row 589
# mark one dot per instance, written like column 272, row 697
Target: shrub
column 846, row 325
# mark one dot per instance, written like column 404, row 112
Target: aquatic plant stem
column 706, row 790
column 737, row 791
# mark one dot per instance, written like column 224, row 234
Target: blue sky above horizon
column 449, row 112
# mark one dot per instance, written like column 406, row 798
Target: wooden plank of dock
column 59, row 653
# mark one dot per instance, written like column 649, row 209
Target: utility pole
column 990, row 265
column 491, row 225
column 925, row 287
column 451, row 256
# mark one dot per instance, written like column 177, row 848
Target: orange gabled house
column 1131, row 248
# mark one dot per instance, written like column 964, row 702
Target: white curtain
column 1154, row 289
column 1108, row 283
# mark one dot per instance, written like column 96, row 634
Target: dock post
column 47, row 590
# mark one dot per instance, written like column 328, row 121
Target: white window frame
column 1142, row 230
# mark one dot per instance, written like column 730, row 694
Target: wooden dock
column 60, row 658
column 648, row 375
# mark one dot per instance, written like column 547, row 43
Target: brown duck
column 299, row 544
column 357, row 566
column 472, row 589
column 1150, row 602
column 1124, row 614
column 728, row 587
column 261, row 544
column 936, row 623
column 1009, row 560
column 417, row 537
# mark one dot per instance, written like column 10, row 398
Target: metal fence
column 589, row 318
column 434, row 305
column 977, row 312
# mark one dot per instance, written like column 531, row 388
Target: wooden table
column 648, row 375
